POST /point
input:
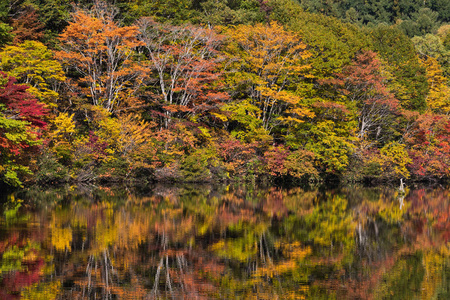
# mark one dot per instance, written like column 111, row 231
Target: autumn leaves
column 307, row 98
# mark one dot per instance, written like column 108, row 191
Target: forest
column 224, row 90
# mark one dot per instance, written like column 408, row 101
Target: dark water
column 228, row 242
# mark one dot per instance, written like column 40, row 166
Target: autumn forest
column 223, row 90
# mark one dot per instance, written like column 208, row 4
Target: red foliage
column 98, row 148
column 19, row 103
column 231, row 150
column 363, row 82
column 331, row 110
column 27, row 26
column 275, row 159
column 429, row 142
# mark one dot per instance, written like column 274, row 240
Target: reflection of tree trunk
column 106, row 276
column 173, row 266
column 108, row 292
column 158, row 272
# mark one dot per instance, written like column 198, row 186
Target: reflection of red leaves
column 430, row 208
column 13, row 239
column 14, row 282
column 274, row 205
column 443, row 222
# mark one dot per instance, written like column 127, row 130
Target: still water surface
column 226, row 242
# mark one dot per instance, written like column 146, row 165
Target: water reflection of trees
column 249, row 243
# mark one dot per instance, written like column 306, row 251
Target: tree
column 429, row 146
column 362, row 82
column 31, row 63
column 101, row 53
column 185, row 61
column 27, row 26
column 171, row 11
column 20, row 124
column 5, row 29
column 433, row 46
column 410, row 83
column 267, row 63
column 438, row 98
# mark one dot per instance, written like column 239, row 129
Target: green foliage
column 282, row 88
column 174, row 11
column 5, row 34
column 414, row 16
column 195, row 167
column 399, row 52
column 423, row 22
column 405, row 277
column 332, row 224
column 51, row 170
column 245, row 123
column 331, row 146
column 222, row 12
column 333, row 44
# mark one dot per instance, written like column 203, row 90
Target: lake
column 225, row 242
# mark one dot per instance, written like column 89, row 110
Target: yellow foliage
column 395, row 159
column 438, row 99
column 42, row 291
column 33, row 64
column 271, row 59
column 65, row 125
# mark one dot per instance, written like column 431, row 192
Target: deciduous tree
column 31, row 63
column 20, row 124
column 364, row 84
column 102, row 53
column 185, row 63
column 266, row 64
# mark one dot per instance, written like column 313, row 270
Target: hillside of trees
column 222, row 90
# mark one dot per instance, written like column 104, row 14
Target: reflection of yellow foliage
column 78, row 219
column 332, row 223
column 42, row 291
column 61, row 238
column 294, row 251
column 433, row 263
column 445, row 250
column 106, row 231
column 61, row 235
column 132, row 231
column 389, row 211
column 241, row 249
column 299, row 201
